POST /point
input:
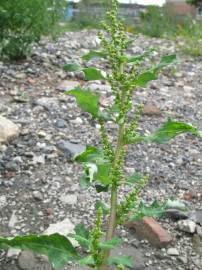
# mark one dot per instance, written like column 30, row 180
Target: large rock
column 8, row 130
column 69, row 149
column 26, row 260
column 135, row 254
column 64, row 227
column 187, row 226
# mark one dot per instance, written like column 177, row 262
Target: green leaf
column 145, row 77
column 83, row 242
column 124, row 260
column 141, row 57
column 176, row 204
column 165, row 61
column 56, row 247
column 72, row 67
column 133, row 179
column 84, row 181
column 102, row 175
column 93, row 55
column 86, row 100
column 101, row 188
column 170, row 130
column 111, row 243
column 101, row 205
column 91, row 153
column 93, row 74
column 87, row 261
column 82, row 231
column 154, row 210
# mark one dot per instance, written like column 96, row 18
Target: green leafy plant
column 103, row 167
column 23, row 22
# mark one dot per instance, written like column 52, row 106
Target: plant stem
column 112, row 222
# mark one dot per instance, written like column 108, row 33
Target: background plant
column 103, row 166
column 24, row 21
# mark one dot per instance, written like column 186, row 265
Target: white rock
column 173, row 252
column 187, row 226
column 13, row 252
column 8, row 130
column 64, row 228
column 13, row 220
column 3, row 201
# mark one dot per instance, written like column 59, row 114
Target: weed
column 103, row 167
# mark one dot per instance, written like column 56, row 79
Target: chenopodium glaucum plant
column 103, row 167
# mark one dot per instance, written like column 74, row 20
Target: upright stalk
column 112, row 222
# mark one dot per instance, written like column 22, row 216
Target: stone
column 187, row 226
column 151, row 110
column 99, row 87
column 60, row 123
column 67, row 85
column 197, row 244
column 12, row 166
column 199, row 230
column 8, row 130
column 196, row 216
column 148, row 228
column 173, row 252
column 13, row 252
column 38, row 195
column 70, row 150
column 13, row 220
column 135, row 254
column 38, row 159
column 3, row 201
column 70, row 199
column 176, row 214
column 20, row 75
column 64, row 227
column 26, row 260
column 48, row 103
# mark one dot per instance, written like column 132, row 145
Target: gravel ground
column 39, row 183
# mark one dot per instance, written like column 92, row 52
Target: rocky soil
column 38, row 180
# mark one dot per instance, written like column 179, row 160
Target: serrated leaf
column 133, row 179
column 101, row 205
column 56, row 247
column 144, row 78
column 93, row 55
column 111, row 243
column 86, row 100
column 93, row 74
column 87, row 261
column 170, row 130
column 124, row 260
column 72, row 67
column 91, row 153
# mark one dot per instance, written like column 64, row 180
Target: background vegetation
column 24, row 21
